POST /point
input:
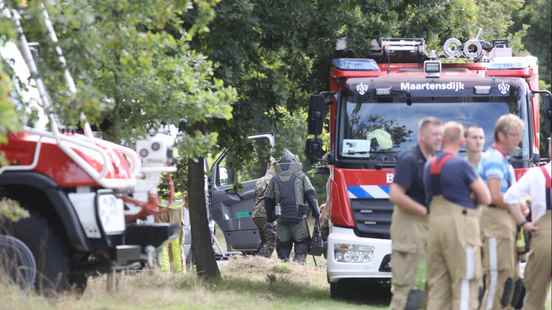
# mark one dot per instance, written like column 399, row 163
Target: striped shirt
column 494, row 165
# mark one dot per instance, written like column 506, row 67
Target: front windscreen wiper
column 356, row 153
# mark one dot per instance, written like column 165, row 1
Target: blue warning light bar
column 356, row 64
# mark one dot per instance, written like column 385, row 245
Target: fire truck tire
column 18, row 261
column 50, row 253
column 78, row 282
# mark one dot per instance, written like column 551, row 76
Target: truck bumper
column 148, row 234
column 127, row 254
column 376, row 266
column 141, row 240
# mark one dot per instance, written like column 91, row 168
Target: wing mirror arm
column 318, row 110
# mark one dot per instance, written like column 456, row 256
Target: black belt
column 493, row 206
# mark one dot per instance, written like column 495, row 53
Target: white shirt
column 531, row 184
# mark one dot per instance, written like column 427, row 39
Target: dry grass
column 248, row 283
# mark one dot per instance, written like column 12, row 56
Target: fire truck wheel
column 49, row 251
column 17, row 261
column 78, row 282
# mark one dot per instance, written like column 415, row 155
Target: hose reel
column 453, row 48
column 472, row 49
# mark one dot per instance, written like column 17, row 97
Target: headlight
column 353, row 253
column 111, row 214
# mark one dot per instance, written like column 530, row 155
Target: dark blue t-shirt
column 456, row 177
column 409, row 174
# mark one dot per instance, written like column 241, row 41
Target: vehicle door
column 231, row 206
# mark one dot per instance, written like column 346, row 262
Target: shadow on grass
column 361, row 292
column 370, row 292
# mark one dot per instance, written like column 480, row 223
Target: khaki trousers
column 453, row 256
column 538, row 272
column 499, row 262
column 408, row 242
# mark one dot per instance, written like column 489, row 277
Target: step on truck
column 374, row 105
column 72, row 187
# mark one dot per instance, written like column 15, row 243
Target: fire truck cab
column 375, row 104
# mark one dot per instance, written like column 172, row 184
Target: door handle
column 230, row 191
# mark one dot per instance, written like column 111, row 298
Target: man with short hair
column 453, row 254
column 475, row 141
column 535, row 183
column 497, row 224
column 409, row 220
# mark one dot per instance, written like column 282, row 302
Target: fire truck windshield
column 380, row 130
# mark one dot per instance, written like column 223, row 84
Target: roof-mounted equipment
column 400, row 50
column 501, row 48
column 453, row 48
column 473, row 49
column 432, row 67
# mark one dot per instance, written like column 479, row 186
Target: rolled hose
column 18, row 260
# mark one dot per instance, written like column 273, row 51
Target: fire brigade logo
column 504, row 88
column 362, row 88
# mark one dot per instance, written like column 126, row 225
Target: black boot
column 283, row 249
column 301, row 252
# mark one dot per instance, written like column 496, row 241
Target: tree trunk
column 202, row 249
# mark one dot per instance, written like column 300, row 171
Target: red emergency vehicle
column 73, row 187
column 375, row 104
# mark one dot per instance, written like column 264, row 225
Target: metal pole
column 35, row 75
column 53, row 37
column 310, row 240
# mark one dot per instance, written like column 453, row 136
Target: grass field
column 248, row 283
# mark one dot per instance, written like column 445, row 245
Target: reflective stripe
column 493, row 273
column 368, row 191
column 469, row 275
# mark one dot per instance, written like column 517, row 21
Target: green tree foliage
column 282, row 51
column 536, row 16
column 8, row 117
column 135, row 71
column 277, row 53
column 134, row 67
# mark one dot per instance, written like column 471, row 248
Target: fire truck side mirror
column 318, row 108
column 313, row 149
column 547, row 105
column 546, row 110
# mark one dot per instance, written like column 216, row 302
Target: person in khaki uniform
column 535, row 183
column 454, row 242
column 267, row 231
column 409, row 220
column 497, row 224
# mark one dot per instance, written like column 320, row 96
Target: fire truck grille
column 372, row 217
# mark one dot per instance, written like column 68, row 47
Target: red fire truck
column 375, row 104
column 74, row 188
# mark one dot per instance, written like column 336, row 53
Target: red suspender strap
column 546, row 176
column 438, row 163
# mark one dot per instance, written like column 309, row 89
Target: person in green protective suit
column 292, row 190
